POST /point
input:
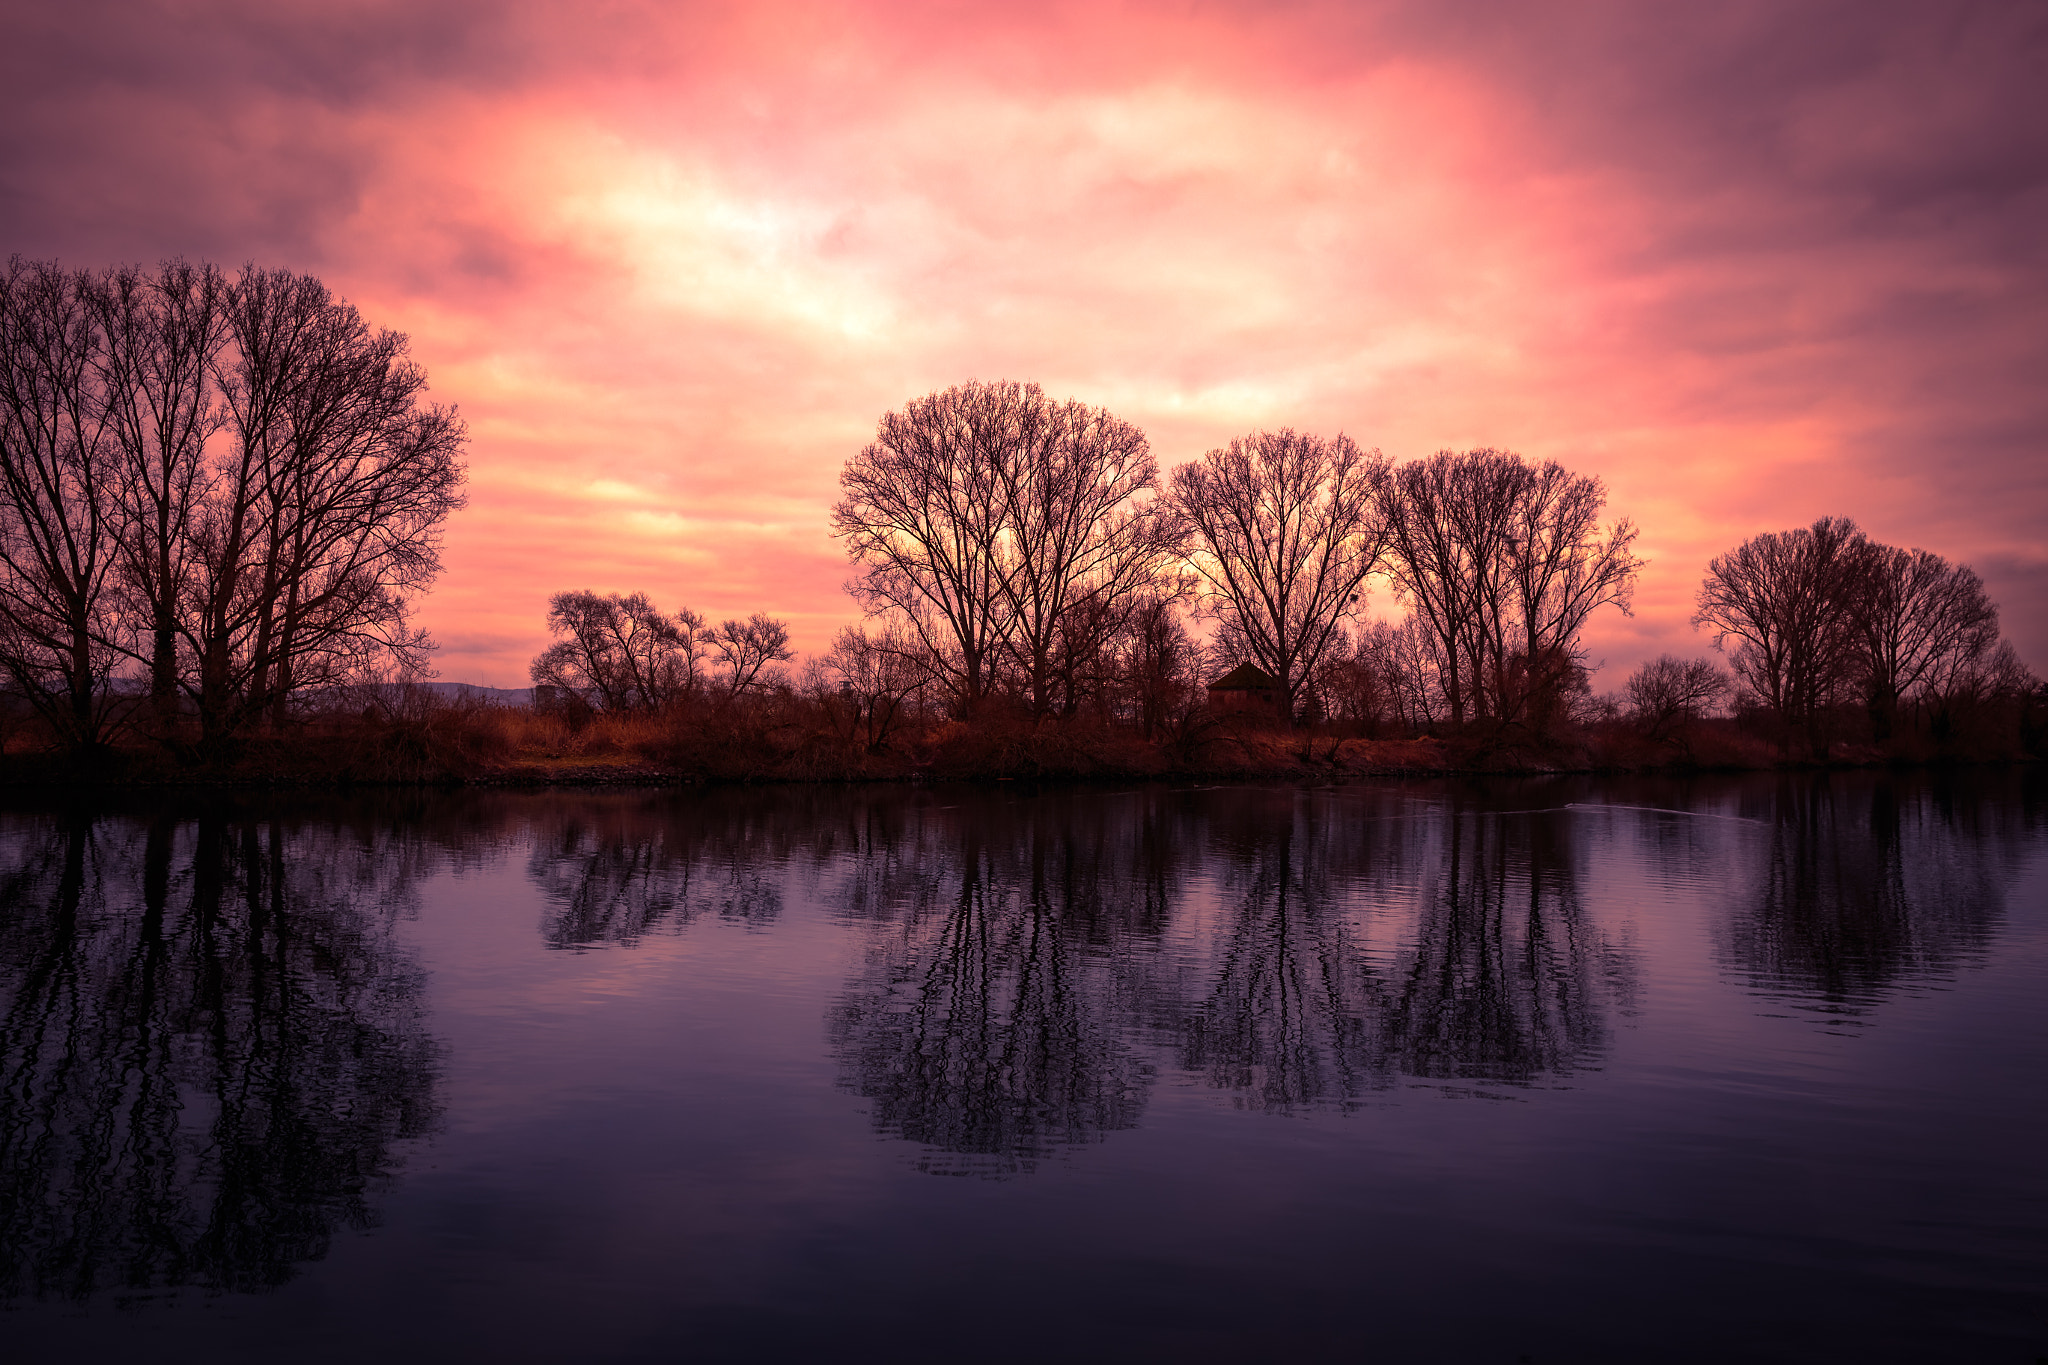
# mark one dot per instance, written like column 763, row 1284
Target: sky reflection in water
column 1570, row 1069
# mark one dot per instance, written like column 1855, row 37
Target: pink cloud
column 674, row 263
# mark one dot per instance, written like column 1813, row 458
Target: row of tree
column 1010, row 542
column 625, row 654
column 230, row 486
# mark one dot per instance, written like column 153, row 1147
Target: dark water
column 1733, row 1069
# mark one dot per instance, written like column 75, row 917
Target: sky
column 1748, row 263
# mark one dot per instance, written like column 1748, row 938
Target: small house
column 1245, row 688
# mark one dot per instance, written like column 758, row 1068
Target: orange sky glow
column 1747, row 264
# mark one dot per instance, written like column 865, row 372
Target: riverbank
column 485, row 746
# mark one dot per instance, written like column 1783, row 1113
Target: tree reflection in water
column 1281, row 1018
column 615, row 869
column 209, row 1044
column 1365, row 941
column 1010, row 963
column 1867, row 883
column 1035, row 963
column 1505, row 978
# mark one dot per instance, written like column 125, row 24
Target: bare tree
column 921, row 516
column 326, row 509
column 620, row 651
column 1074, row 547
column 1081, row 667
column 1451, row 524
column 274, row 322
column 1350, row 688
column 1786, row 598
column 1006, row 529
column 274, row 561
column 1668, row 693
column 58, row 502
column 163, row 334
column 1919, row 621
column 1156, row 660
column 744, row 648
column 1287, row 529
column 1563, row 566
column 1406, row 656
column 1502, row 562
column 877, row 676
column 372, row 474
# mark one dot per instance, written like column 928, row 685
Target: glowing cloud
column 674, row 263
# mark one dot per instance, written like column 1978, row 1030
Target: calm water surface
column 1624, row 1070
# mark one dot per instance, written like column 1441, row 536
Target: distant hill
column 502, row 696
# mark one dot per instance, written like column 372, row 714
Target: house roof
column 1245, row 678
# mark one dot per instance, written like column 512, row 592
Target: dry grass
column 422, row 738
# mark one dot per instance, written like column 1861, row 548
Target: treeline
column 623, row 654
column 217, row 493
column 1024, row 560
column 1025, row 557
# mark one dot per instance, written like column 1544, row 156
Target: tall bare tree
column 1502, row 562
column 274, row 322
column 1006, row 529
column 163, row 334
column 1450, row 530
column 1786, row 598
column 1919, row 620
column 921, row 516
column 1287, row 528
column 59, row 470
column 1406, row 659
column 1563, row 566
column 1156, row 660
column 243, row 570
column 372, row 474
column 327, row 506
column 1075, row 547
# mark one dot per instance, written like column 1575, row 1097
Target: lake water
column 1735, row 1068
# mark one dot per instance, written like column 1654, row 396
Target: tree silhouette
column 613, row 870
column 210, row 1044
column 877, row 675
column 60, row 472
column 746, row 647
column 1787, row 599
column 1288, row 527
column 163, row 334
column 1502, row 562
column 1920, row 621
column 278, row 560
column 992, row 521
column 1668, row 693
column 620, row 652
column 995, row 1021
column 1866, row 884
